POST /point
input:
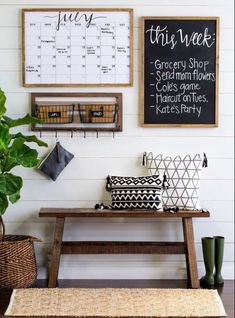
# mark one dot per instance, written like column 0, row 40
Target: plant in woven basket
column 14, row 151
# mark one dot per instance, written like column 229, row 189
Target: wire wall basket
column 61, row 114
column 96, row 113
column 77, row 111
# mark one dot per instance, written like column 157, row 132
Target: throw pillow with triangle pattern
column 183, row 176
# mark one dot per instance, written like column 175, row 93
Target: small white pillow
column 183, row 176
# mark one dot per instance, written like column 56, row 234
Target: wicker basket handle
column 35, row 239
column 2, row 228
column 3, row 231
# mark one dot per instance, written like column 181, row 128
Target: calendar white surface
column 77, row 47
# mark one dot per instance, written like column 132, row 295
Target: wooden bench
column 186, row 247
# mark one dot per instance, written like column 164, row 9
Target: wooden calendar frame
column 78, row 10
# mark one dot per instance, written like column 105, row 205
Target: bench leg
column 55, row 260
column 190, row 252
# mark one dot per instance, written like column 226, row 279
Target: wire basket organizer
column 83, row 112
column 53, row 114
column 97, row 113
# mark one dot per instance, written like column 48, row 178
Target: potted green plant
column 17, row 259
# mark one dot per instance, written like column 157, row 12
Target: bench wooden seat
column 186, row 247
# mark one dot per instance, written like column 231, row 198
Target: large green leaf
column 8, row 164
column 26, row 120
column 24, row 156
column 3, row 203
column 20, row 154
column 2, row 103
column 22, row 138
column 14, row 197
column 10, row 184
column 4, row 136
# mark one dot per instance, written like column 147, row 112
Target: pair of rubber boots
column 213, row 252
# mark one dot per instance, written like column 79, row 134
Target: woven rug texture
column 115, row 302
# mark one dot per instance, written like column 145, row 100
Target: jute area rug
column 115, row 302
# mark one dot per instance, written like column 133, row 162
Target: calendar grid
column 40, row 56
column 70, row 53
column 100, row 53
column 78, row 53
column 115, row 69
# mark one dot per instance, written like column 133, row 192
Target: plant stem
column 2, row 226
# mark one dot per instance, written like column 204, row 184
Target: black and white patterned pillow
column 135, row 192
column 183, row 177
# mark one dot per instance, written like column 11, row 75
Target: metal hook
column 84, row 134
column 97, row 133
column 56, row 135
column 40, row 133
column 113, row 133
column 71, row 133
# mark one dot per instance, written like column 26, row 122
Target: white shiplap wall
column 82, row 182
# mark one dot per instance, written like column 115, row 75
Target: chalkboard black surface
column 180, row 71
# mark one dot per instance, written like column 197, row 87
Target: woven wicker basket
column 18, row 267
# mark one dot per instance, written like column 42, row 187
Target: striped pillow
column 135, row 192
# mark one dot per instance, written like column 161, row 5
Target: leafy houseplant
column 14, row 151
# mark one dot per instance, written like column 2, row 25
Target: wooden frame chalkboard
column 179, row 79
column 77, row 47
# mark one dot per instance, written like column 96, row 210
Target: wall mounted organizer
column 77, row 111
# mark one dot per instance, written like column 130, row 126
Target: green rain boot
column 208, row 248
column 219, row 253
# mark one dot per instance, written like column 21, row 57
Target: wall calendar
column 77, row 47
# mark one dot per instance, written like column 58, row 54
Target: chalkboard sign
column 77, row 47
column 180, row 71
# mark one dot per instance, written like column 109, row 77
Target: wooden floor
column 226, row 293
